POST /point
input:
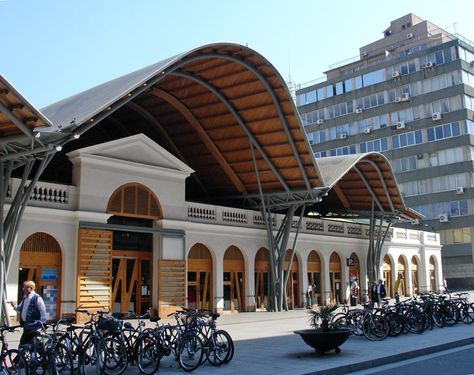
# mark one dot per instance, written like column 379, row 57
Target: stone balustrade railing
column 230, row 216
column 46, row 194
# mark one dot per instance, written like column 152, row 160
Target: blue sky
column 51, row 49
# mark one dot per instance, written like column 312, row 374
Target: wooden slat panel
column 171, row 286
column 94, row 270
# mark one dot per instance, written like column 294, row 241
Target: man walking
column 31, row 308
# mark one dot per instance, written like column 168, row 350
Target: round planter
column 324, row 341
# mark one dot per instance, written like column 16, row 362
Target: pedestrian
column 381, row 292
column 309, row 295
column 354, row 292
column 31, row 309
column 398, row 287
column 373, row 292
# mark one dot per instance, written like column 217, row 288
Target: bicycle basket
column 108, row 323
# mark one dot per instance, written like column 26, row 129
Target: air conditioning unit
column 343, row 136
column 365, row 54
column 415, row 222
column 428, row 65
column 410, row 36
column 436, row 116
column 395, row 74
column 459, row 190
column 398, row 99
column 419, row 156
column 405, row 97
column 368, row 130
column 359, row 110
column 443, row 218
column 319, row 121
column 400, row 125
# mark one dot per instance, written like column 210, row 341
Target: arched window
column 135, row 200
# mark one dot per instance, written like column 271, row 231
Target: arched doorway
column 132, row 251
column 234, row 280
column 432, row 273
column 387, row 275
column 402, row 270
column 335, row 278
column 261, row 278
column 292, row 288
column 414, row 276
column 314, row 276
column 354, row 272
column 41, row 261
column 200, row 278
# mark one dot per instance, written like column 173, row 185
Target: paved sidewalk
column 265, row 344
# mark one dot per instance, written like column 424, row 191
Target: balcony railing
column 59, row 196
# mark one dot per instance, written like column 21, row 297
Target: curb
column 392, row 358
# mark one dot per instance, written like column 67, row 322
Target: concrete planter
column 324, row 341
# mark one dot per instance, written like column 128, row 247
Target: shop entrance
column 261, row 279
column 432, row 271
column 335, row 278
column 292, row 288
column 132, row 254
column 131, row 275
column 200, row 278
column 354, row 273
column 41, row 261
column 234, row 280
column 387, row 275
column 314, row 277
column 414, row 276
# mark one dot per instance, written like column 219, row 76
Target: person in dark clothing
column 373, row 292
column 31, row 309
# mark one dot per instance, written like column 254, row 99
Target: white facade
column 100, row 170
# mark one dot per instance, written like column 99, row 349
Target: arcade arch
column 234, row 280
column 387, row 275
column 199, row 278
column 262, row 259
column 335, row 278
column 314, row 276
column 41, row 261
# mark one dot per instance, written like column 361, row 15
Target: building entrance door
column 131, row 282
column 41, row 262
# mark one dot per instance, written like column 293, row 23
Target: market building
column 154, row 199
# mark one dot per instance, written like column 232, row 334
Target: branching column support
column 376, row 241
column 11, row 220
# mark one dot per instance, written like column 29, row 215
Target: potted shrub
column 322, row 336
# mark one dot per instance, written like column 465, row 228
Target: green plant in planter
column 321, row 314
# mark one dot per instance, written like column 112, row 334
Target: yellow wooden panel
column 94, row 276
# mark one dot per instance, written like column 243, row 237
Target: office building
column 410, row 96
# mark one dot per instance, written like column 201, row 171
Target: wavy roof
column 223, row 109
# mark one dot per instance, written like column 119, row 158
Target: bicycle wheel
column 375, row 327
column 450, row 315
column 13, row 362
column 467, row 313
column 147, row 355
column 396, row 323
column 116, row 359
column 190, row 352
column 72, row 346
column 93, row 358
column 221, row 348
column 62, row 359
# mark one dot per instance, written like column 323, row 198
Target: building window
column 407, row 139
column 443, row 131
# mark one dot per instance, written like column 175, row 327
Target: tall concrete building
column 410, row 96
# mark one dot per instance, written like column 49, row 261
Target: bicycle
column 11, row 360
column 45, row 355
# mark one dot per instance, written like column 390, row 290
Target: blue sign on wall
column 49, row 274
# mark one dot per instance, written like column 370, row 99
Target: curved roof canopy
column 225, row 111
column 18, row 122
